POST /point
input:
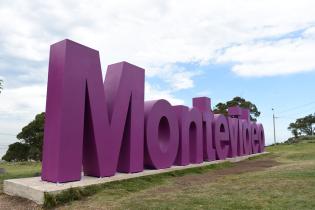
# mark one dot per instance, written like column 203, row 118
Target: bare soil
column 211, row 176
column 16, row 203
column 238, row 168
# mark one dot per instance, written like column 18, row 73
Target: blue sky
column 260, row 50
column 291, row 95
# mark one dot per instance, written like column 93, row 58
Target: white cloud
column 177, row 77
column 18, row 107
column 147, row 33
column 156, row 35
column 156, row 93
column 269, row 58
column 20, row 103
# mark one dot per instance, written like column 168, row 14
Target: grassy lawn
column 284, row 179
column 289, row 183
column 19, row 170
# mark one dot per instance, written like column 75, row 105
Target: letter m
column 88, row 123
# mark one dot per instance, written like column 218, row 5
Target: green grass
column 288, row 184
column 121, row 188
column 19, row 170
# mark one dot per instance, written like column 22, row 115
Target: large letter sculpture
column 203, row 104
column 161, row 136
column 103, row 128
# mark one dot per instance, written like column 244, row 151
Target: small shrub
column 49, row 201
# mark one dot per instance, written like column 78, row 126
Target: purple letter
column 221, row 136
column 261, row 136
column 255, row 137
column 203, row 104
column 82, row 126
column 190, row 141
column 233, row 130
column 247, row 137
column 161, row 138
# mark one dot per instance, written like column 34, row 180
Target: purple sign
column 102, row 128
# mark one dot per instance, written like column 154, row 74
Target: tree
column 222, row 108
column 17, row 152
column 31, row 137
column 303, row 126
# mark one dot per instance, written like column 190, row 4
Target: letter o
column 261, row 136
column 247, row 138
column 161, row 134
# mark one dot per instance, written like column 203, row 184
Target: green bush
column 17, row 152
column 294, row 140
column 31, row 141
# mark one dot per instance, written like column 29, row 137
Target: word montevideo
column 107, row 127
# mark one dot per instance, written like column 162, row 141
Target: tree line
column 303, row 126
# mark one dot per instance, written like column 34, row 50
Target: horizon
column 220, row 50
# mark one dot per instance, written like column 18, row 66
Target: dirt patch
column 238, row 168
column 16, row 203
column 248, row 166
column 211, row 176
